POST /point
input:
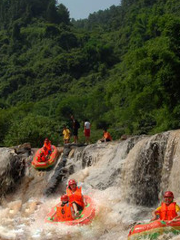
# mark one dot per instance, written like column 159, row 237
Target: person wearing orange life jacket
column 168, row 209
column 41, row 157
column 64, row 212
column 76, row 197
column 47, row 145
column 106, row 136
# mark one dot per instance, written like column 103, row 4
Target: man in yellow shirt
column 67, row 134
column 168, row 209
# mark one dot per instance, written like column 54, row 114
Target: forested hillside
column 119, row 68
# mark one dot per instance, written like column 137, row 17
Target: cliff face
column 11, row 170
column 126, row 179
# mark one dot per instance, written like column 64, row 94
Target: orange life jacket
column 45, row 151
column 107, row 136
column 41, row 157
column 64, row 213
column 76, row 196
column 47, row 145
column 167, row 212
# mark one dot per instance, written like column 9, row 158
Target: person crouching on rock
column 168, row 209
column 64, row 212
column 76, row 197
column 106, row 136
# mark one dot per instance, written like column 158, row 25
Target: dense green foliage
column 119, row 68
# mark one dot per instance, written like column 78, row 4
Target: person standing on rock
column 87, row 131
column 75, row 127
column 67, row 134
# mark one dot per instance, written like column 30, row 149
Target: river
column 125, row 178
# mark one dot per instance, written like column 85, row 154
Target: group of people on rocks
column 47, row 147
column 87, row 132
column 72, row 203
column 75, row 127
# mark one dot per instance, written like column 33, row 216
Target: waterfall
column 126, row 179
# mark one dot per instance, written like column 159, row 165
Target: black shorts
column 108, row 140
column 75, row 132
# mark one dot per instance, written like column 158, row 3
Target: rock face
column 60, row 171
column 142, row 167
column 125, row 178
column 11, row 170
column 24, row 149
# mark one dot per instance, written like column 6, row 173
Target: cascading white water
column 125, row 178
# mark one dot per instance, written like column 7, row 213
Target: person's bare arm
column 154, row 215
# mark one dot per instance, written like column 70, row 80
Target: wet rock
column 11, row 170
column 24, row 149
column 71, row 154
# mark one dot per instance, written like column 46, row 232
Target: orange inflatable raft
column 85, row 217
column 153, row 230
column 50, row 162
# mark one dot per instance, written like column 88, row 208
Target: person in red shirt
column 168, row 209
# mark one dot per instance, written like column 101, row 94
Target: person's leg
column 76, row 212
column 75, row 139
column 87, row 135
column 75, row 133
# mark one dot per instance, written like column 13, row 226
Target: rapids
column 126, row 179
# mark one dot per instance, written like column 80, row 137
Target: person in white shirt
column 87, row 131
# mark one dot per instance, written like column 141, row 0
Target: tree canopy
column 119, row 68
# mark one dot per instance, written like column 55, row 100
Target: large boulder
column 11, row 170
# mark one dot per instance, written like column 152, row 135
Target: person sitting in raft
column 106, row 136
column 168, row 209
column 41, row 157
column 47, row 145
column 65, row 212
column 75, row 196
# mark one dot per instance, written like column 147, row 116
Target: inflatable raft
column 153, row 230
column 85, row 217
column 50, row 162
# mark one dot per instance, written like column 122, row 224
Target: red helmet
column 168, row 194
column 71, row 182
column 64, row 198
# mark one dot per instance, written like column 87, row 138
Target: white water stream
column 125, row 178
